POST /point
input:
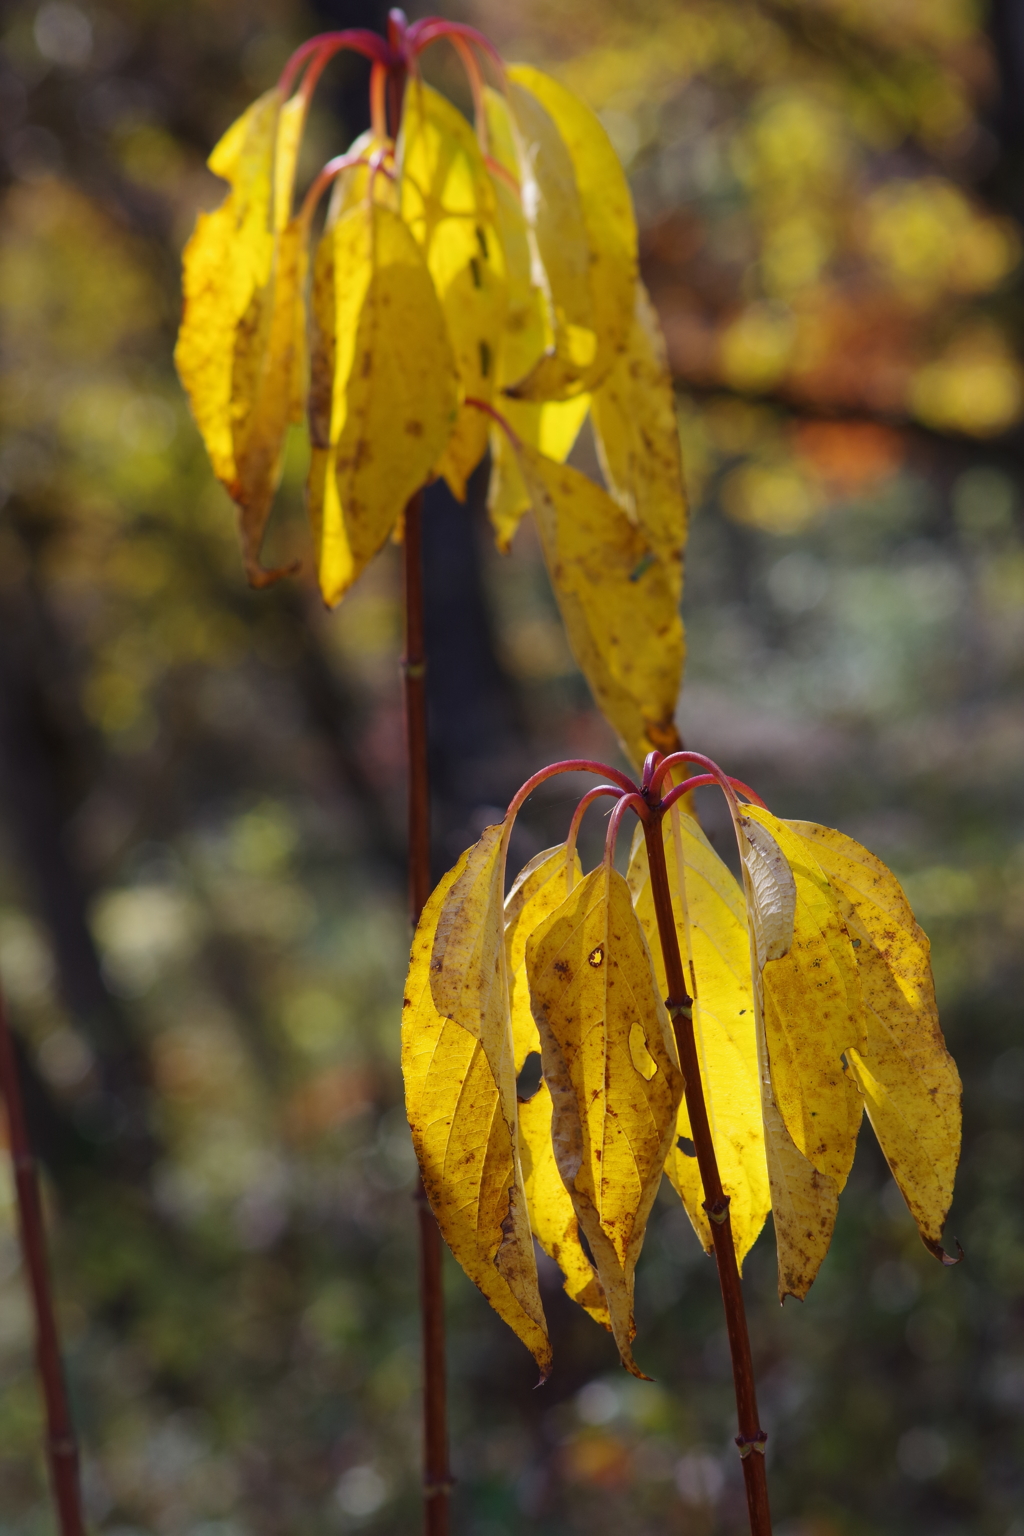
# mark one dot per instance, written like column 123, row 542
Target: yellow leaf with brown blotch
column 804, row 1201
column 813, row 1011
column 715, row 939
column 552, row 1217
column 447, row 200
column 637, row 436
column 617, row 602
column 910, row 1083
column 610, row 1065
column 383, row 393
column 275, row 400
column 240, row 352
column 458, row 1111
column 540, row 887
column 581, row 216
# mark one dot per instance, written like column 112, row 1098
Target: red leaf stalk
column 751, row 1438
column 62, row 1449
column 437, row 1480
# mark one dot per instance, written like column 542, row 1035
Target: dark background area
column 202, row 908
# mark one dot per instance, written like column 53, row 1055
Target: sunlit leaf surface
column 610, row 1065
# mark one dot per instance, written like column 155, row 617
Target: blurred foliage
column 202, row 915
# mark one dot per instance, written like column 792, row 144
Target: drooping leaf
column 550, row 426
column 637, row 435
column 552, row 1217
column 540, row 887
column 459, row 1105
column 910, row 1083
column 813, row 1010
column 383, row 393
column 609, row 1063
column 240, row 352
column 448, row 202
column 617, row 602
column 581, row 215
column 723, row 1022
column 804, row 1201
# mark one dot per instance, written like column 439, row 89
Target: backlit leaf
column 240, row 350
column 581, row 214
column 910, row 1083
column 812, row 996
column 723, row 1022
column 383, row 392
column 540, row 887
column 804, row 1201
column 552, row 1217
column 617, row 602
column 448, row 202
column 637, row 435
column 609, row 1063
column 459, row 1107
column 550, row 426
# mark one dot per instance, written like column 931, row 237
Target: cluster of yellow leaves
column 813, row 1000
column 449, row 283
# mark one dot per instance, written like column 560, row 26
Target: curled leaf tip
column 260, row 577
column 938, row 1252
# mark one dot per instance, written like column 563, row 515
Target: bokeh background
column 202, row 909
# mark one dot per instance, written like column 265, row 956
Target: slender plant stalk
column 437, row 1478
column 62, row 1450
column 751, row 1438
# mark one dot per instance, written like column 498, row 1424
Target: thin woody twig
column 437, row 1478
column 62, row 1448
column 751, row 1438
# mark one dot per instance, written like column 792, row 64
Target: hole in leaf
column 640, row 1056
column 686, row 1146
column 528, row 1080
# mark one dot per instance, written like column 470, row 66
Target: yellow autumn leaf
column 447, row 200
column 552, row 1217
column 458, row 1107
column 540, row 887
column 617, row 602
column 610, row 1065
column 715, row 940
column 813, row 1010
column 383, row 391
column 637, row 436
column 804, row 1201
column 910, row 1083
column 239, row 352
column 274, row 397
column 581, row 214
column 550, row 426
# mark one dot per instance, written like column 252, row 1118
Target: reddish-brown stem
column 60, row 1440
column 378, row 101
column 488, row 410
column 436, row 1474
column 701, row 781
column 324, row 46
column 632, row 802
column 581, row 810
column 318, row 187
column 751, row 1438
column 570, row 765
column 431, row 29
